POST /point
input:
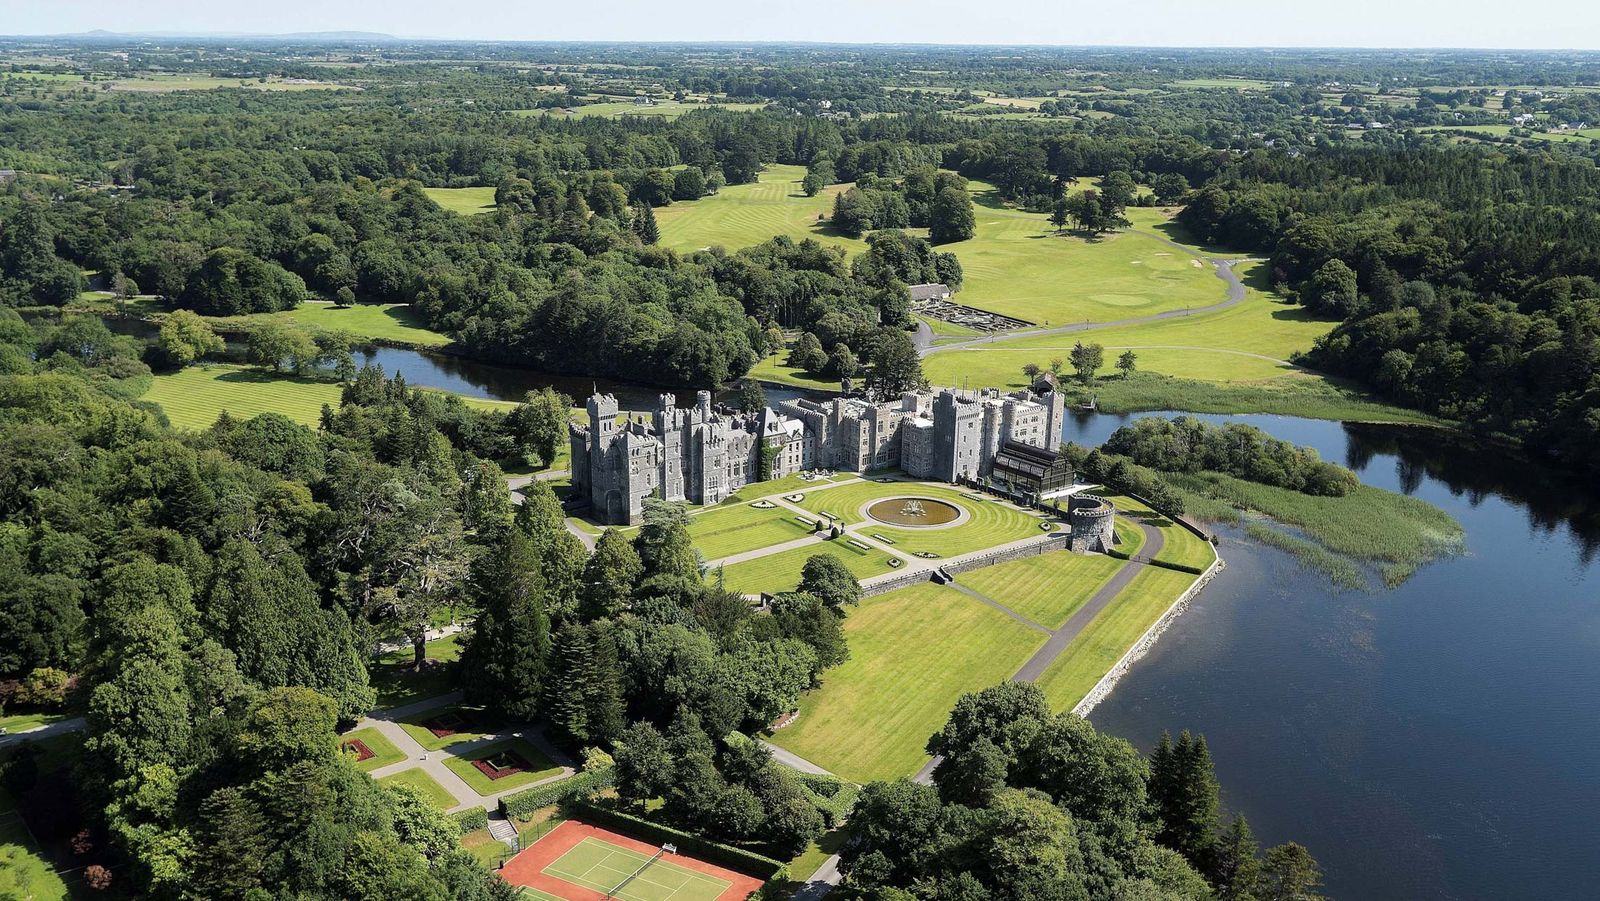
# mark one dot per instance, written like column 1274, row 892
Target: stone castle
column 704, row 453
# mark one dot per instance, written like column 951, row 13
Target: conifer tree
column 1234, row 868
column 1183, row 790
column 609, row 576
column 607, row 706
column 572, row 672
column 503, row 666
column 644, row 224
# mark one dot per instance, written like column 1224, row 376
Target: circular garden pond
column 914, row 511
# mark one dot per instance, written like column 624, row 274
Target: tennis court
column 579, row 862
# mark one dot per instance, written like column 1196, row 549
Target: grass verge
column 540, row 766
column 424, row 785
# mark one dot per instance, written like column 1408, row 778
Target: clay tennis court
column 579, row 862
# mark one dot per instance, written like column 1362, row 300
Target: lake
column 1437, row 740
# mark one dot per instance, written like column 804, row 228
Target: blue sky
column 1348, row 23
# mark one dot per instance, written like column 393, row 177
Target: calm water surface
column 1438, row 740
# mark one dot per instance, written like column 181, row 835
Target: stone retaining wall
column 1044, row 544
column 1146, row 641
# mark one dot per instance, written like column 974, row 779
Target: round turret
column 1093, row 521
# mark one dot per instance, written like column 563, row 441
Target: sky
column 1548, row 24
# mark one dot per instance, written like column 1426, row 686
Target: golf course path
column 1222, row 267
column 1060, row 638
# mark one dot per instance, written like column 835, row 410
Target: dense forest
column 1464, row 269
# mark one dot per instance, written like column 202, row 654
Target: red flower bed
column 359, row 748
column 507, row 763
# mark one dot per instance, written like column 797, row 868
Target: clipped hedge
column 688, row 843
column 1180, row 567
column 521, row 805
column 472, row 820
column 833, row 797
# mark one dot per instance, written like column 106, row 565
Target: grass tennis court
column 579, row 862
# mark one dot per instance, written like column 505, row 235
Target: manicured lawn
column 774, row 369
column 425, row 785
column 730, row 530
column 991, row 522
column 1130, row 538
column 396, row 322
column 1180, row 545
column 1017, row 265
column 21, row 722
column 383, row 750
column 1250, row 342
column 540, row 767
column 398, row 683
column 1048, row 588
column 744, row 215
column 424, row 736
column 781, row 572
column 787, row 485
column 462, row 201
column 193, row 398
column 913, row 652
column 24, row 874
column 1098, row 647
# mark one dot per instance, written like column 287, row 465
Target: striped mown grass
column 991, row 523
column 732, row 530
column 1048, row 588
column 1099, row 646
column 913, row 652
column 745, row 215
column 781, row 572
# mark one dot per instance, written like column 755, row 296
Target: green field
column 414, row 727
column 913, row 652
column 461, row 765
column 602, row 867
column 774, row 369
column 781, row 572
column 732, row 530
column 165, row 83
column 424, row 785
column 1048, row 588
column 26, row 875
column 464, row 201
column 664, row 109
column 395, row 322
column 1179, row 546
column 193, row 398
column 1250, row 342
column 745, row 215
column 1503, row 131
column 991, row 522
column 1099, row 646
column 383, row 750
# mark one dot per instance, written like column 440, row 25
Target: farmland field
column 913, row 652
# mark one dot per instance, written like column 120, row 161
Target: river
column 1437, row 740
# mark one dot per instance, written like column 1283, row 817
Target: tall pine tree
column 504, row 663
column 1183, row 790
column 609, row 577
column 644, row 224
